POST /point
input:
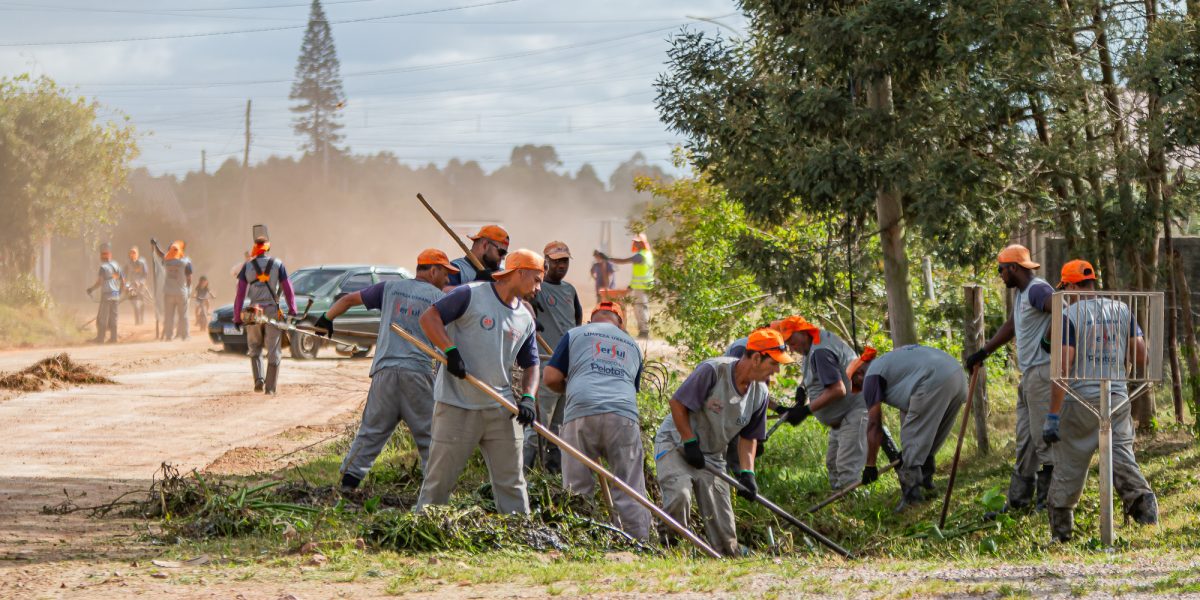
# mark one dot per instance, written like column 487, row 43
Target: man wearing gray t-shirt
column 484, row 329
column 401, row 374
column 597, row 367
column 1100, row 339
column 927, row 386
column 723, row 399
column 1029, row 323
column 557, row 309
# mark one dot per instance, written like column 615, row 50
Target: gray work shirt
column 824, row 366
column 136, row 271
column 110, row 280
column 1031, row 321
column 558, row 310
column 896, row 376
column 258, row 292
column 490, row 337
column 177, row 270
column 401, row 302
column 717, row 412
column 1100, row 330
column 603, row 366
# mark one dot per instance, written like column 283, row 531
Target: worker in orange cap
column 1110, row 337
column 401, row 380
column 598, row 367
column 1028, row 324
column 484, row 330
column 725, row 398
column 490, row 246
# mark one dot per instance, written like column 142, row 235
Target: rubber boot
column 1020, row 492
column 927, row 471
column 909, row 496
column 272, row 375
column 1144, row 510
column 1043, row 486
column 256, row 370
column 1062, row 524
column 349, row 483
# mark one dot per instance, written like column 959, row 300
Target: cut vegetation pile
column 51, row 372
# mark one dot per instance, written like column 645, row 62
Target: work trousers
column 618, row 440
column 261, row 337
column 847, row 452
column 397, row 394
column 550, row 413
column 1033, row 404
column 1079, row 433
column 924, row 428
column 139, row 306
column 641, row 310
column 456, row 434
column 106, row 319
column 679, row 482
column 175, row 322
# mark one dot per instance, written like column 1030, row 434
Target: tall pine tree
column 318, row 88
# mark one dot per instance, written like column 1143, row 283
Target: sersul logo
column 487, row 323
column 609, row 351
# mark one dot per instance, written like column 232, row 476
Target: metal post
column 1106, row 478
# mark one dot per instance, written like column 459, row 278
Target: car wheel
column 235, row 348
column 304, row 347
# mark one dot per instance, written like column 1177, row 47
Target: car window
column 356, row 283
column 308, row 281
column 390, row 276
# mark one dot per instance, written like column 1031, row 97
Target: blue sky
column 470, row 81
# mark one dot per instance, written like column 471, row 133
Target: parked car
column 321, row 286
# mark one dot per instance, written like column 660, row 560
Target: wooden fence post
column 973, row 339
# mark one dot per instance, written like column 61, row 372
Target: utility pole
column 204, row 177
column 245, row 173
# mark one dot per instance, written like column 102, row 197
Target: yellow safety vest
column 643, row 273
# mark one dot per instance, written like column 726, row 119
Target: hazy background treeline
column 357, row 209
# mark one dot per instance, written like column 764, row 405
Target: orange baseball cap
column 433, row 256
column 611, row 307
column 769, row 342
column 868, row 355
column 556, row 250
column 495, row 233
column 521, row 259
column 1018, row 254
column 1075, row 271
column 789, row 325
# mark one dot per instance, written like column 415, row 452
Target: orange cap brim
column 779, row 356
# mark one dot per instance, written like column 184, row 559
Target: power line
column 256, row 30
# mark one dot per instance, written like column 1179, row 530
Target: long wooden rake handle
column 842, row 493
column 569, row 449
column 783, row 514
column 962, row 432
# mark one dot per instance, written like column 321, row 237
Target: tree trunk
column 890, row 212
column 1172, row 333
column 1112, row 105
column 973, row 339
column 1184, row 295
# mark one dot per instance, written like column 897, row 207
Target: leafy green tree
column 896, row 112
column 59, row 167
column 318, row 88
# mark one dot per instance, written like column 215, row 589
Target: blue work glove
column 750, row 488
column 692, row 453
column 1050, row 429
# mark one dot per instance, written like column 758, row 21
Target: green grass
column 32, row 326
column 791, row 473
